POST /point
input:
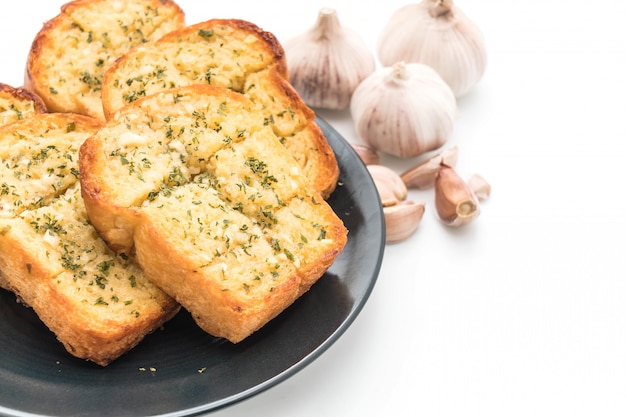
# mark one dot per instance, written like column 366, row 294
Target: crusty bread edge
column 33, row 283
column 112, row 226
column 326, row 177
column 23, row 94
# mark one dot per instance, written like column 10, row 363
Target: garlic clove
column 423, row 175
column 479, row 186
column 455, row 203
column 327, row 62
column 402, row 220
column 389, row 185
column 440, row 35
column 367, row 154
column 405, row 110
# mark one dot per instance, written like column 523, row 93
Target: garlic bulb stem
column 327, row 25
column 399, row 73
column 440, row 7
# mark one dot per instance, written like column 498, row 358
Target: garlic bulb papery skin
column 327, row 62
column 440, row 35
column 404, row 110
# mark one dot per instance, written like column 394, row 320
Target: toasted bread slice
column 238, row 55
column 220, row 215
column 70, row 53
column 98, row 304
column 17, row 103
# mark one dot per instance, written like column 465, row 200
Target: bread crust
column 98, row 304
column 17, row 103
column 234, row 54
column 82, row 334
column 67, row 79
column 219, row 214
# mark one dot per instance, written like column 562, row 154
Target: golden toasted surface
column 69, row 55
column 98, row 304
column 220, row 215
column 39, row 159
column 237, row 55
column 18, row 104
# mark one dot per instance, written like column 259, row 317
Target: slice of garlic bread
column 237, row 55
column 98, row 304
column 220, row 215
column 69, row 55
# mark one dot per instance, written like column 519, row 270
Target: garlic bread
column 237, row 55
column 218, row 212
column 97, row 303
column 69, row 55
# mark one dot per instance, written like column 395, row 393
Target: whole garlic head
column 404, row 110
column 438, row 34
column 327, row 62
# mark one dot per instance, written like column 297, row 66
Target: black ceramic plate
column 182, row 371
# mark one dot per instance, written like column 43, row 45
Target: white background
column 522, row 313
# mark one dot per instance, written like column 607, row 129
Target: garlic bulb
column 438, row 34
column 327, row 62
column 404, row 110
